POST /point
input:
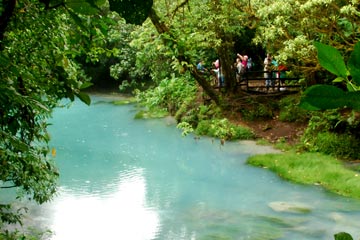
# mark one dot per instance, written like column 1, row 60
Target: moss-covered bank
column 312, row 168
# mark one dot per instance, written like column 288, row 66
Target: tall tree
column 35, row 72
column 194, row 30
column 39, row 43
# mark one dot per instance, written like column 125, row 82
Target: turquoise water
column 140, row 179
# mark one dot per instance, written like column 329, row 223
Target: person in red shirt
column 244, row 60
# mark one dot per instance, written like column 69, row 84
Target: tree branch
column 179, row 6
column 161, row 29
column 8, row 187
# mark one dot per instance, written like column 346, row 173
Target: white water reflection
column 118, row 215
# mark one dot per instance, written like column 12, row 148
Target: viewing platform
column 255, row 82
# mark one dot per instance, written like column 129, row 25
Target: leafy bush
column 343, row 236
column 339, row 145
column 170, row 94
column 223, row 129
column 32, row 234
column 258, row 111
column 321, row 97
column 208, row 112
column 191, row 113
column 331, row 133
column 188, row 112
column 290, row 111
column 186, row 128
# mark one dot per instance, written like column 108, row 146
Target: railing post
column 278, row 81
column 247, row 81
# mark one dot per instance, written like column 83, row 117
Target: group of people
column 270, row 65
column 216, row 69
column 243, row 64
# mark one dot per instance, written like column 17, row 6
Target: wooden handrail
column 272, row 77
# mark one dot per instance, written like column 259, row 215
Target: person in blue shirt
column 200, row 66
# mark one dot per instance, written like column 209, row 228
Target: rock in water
column 291, row 207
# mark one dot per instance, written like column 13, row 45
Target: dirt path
column 275, row 130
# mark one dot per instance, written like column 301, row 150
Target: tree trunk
column 162, row 28
column 226, row 61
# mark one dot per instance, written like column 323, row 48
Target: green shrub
column 185, row 127
column 31, row 234
column 343, row 236
column 191, row 112
column 257, row 111
column 170, row 94
column 331, row 133
column 190, row 116
column 339, row 145
column 223, row 129
column 290, row 111
column 208, row 112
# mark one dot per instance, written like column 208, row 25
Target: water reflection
column 121, row 214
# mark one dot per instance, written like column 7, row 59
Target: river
column 130, row 179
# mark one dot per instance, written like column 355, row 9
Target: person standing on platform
column 267, row 70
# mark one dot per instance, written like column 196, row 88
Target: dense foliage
column 40, row 45
column 34, row 76
column 288, row 29
column 320, row 97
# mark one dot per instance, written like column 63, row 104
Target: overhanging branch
column 161, row 29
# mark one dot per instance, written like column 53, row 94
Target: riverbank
column 313, row 169
column 303, row 168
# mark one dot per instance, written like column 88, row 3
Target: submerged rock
column 291, row 207
column 170, row 120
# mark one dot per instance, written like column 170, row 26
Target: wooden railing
column 255, row 81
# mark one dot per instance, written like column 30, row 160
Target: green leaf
column 354, row 64
column 103, row 28
column 338, row 79
column 84, row 98
column 4, row 60
column 86, row 85
column 133, row 11
column 78, row 21
column 52, row 3
column 331, row 59
column 321, row 97
column 305, row 104
column 350, row 87
column 86, row 7
column 342, row 236
column 353, row 100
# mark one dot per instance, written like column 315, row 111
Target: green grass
column 154, row 113
column 124, row 101
column 312, row 168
